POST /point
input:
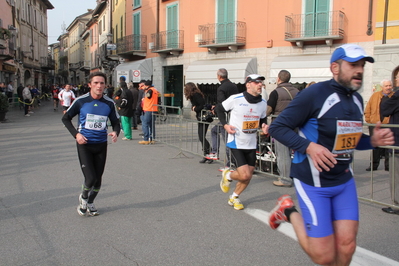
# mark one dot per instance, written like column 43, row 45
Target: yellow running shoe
column 225, row 183
column 236, row 203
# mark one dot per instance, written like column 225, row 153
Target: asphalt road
column 158, row 207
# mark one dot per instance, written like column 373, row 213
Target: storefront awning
column 145, row 67
column 303, row 68
column 204, row 71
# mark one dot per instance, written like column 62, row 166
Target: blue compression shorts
column 321, row 206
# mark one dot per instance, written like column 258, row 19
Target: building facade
column 171, row 42
column 31, row 53
column 76, row 56
column 8, row 67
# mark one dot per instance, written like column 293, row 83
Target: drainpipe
column 384, row 30
column 369, row 22
column 157, row 29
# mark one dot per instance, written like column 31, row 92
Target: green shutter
column 137, row 31
column 322, row 18
column 136, row 3
column 316, row 21
column 172, row 31
column 225, row 25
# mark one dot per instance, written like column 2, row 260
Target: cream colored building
column 76, row 55
column 386, row 45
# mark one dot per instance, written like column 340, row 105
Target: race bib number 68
column 96, row 122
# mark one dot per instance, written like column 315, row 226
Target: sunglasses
column 257, row 81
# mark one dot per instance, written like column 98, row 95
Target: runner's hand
column 81, row 139
column 322, row 158
column 382, row 136
column 230, row 129
column 265, row 129
column 113, row 136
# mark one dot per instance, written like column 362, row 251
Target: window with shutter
column 172, row 37
column 136, row 3
column 225, row 25
column 136, row 30
column 316, row 18
column 122, row 27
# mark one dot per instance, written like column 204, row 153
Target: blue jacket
column 318, row 112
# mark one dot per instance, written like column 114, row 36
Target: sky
column 65, row 11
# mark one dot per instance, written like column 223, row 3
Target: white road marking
column 362, row 257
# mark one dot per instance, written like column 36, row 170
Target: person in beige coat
column 372, row 115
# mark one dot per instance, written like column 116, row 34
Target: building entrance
column 173, row 84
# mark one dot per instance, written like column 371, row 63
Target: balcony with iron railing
column 326, row 26
column 46, row 62
column 168, row 42
column 8, row 51
column 134, row 44
column 75, row 66
column 85, row 66
column 229, row 34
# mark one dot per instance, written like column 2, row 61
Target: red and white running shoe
column 277, row 215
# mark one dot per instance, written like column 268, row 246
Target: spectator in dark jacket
column 390, row 107
column 20, row 98
column 197, row 99
column 135, row 94
column 224, row 91
column 124, row 103
column 278, row 100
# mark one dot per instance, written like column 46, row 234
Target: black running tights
column 92, row 158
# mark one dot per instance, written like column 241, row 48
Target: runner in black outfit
column 91, row 136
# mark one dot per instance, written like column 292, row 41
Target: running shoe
column 124, row 138
column 221, row 169
column 82, row 208
column 225, row 183
column 277, row 215
column 91, row 210
column 236, row 203
column 212, row 156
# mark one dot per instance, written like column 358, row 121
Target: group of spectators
column 28, row 97
column 135, row 106
column 7, row 90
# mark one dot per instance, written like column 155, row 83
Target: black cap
column 142, row 81
column 148, row 83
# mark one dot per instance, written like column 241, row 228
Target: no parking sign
column 136, row 75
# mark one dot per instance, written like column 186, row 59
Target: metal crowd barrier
column 178, row 128
column 381, row 185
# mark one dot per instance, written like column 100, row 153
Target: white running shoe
column 82, row 208
column 91, row 210
column 212, row 156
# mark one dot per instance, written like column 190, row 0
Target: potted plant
column 3, row 106
column 5, row 34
